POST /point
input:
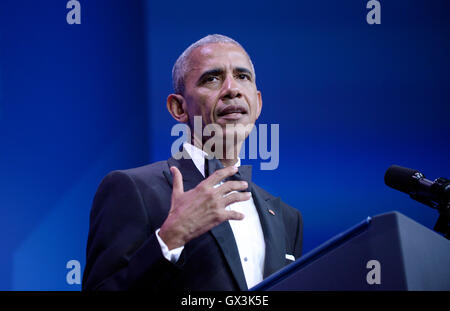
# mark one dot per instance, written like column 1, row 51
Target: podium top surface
column 314, row 254
column 413, row 258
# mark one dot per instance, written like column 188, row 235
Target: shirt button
column 245, row 258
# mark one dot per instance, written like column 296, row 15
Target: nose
column 230, row 88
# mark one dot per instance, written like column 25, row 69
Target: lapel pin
column 272, row 212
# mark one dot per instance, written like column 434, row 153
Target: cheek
column 202, row 106
column 254, row 106
column 207, row 105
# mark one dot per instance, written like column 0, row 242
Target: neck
column 225, row 151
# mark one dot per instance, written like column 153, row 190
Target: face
column 220, row 87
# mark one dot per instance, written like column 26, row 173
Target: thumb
column 177, row 180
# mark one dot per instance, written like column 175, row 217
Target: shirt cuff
column 171, row 255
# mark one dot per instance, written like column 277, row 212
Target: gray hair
column 181, row 65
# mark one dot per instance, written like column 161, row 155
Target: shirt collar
column 198, row 157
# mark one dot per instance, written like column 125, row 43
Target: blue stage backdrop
column 77, row 101
column 73, row 107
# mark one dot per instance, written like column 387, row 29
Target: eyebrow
column 219, row 71
column 243, row 70
column 211, row 72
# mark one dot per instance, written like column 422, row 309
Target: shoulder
column 147, row 174
column 131, row 189
column 144, row 181
column 149, row 170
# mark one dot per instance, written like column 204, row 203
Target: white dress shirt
column 247, row 232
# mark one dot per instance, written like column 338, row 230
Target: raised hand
column 196, row 211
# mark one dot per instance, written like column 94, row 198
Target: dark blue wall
column 78, row 101
column 73, row 106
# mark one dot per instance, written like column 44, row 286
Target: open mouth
column 232, row 112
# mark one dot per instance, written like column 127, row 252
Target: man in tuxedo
column 195, row 221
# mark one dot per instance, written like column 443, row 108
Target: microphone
column 435, row 194
column 414, row 183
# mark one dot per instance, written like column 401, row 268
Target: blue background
column 77, row 101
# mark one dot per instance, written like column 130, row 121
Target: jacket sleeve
column 123, row 252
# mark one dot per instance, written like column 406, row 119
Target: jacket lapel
column 221, row 233
column 191, row 175
column 273, row 228
column 225, row 238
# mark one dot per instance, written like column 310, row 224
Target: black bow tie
column 244, row 171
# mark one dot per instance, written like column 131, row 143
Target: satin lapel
column 225, row 238
column 221, row 233
column 191, row 175
column 273, row 229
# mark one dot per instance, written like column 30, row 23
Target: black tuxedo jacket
column 123, row 252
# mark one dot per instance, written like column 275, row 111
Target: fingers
column 233, row 215
column 236, row 197
column 221, row 174
column 232, row 186
column 177, row 180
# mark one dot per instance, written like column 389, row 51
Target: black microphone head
column 402, row 178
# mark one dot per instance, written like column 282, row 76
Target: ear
column 176, row 104
column 258, row 112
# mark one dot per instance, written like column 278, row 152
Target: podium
column 385, row 252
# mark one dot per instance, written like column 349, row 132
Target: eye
column 243, row 76
column 210, row 79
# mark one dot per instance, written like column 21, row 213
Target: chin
column 237, row 129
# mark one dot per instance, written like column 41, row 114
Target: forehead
column 217, row 55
